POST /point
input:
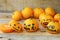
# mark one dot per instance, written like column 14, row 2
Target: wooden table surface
column 25, row 35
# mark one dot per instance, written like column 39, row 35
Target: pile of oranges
column 48, row 18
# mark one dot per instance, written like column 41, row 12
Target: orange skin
column 59, row 21
column 45, row 19
column 17, row 15
column 50, row 11
column 17, row 27
column 6, row 28
column 31, row 25
column 27, row 12
column 53, row 28
column 57, row 17
column 37, row 12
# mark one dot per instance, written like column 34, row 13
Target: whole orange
column 31, row 25
column 45, row 19
column 50, row 11
column 17, row 15
column 37, row 12
column 6, row 28
column 17, row 27
column 27, row 12
column 53, row 27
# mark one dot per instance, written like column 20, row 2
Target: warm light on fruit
column 5, row 28
column 27, row 12
column 31, row 25
column 17, row 15
column 37, row 12
column 32, row 20
column 59, row 21
column 57, row 17
column 16, row 26
column 50, row 11
column 53, row 27
column 45, row 19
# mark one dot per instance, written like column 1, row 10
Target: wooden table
column 25, row 35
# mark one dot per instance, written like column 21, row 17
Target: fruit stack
column 48, row 18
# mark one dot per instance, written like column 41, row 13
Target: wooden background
column 11, row 5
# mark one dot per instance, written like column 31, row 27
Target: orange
column 6, row 28
column 37, row 12
column 53, row 27
column 57, row 17
column 31, row 25
column 50, row 11
column 59, row 21
column 17, row 27
column 27, row 12
column 41, row 15
column 45, row 19
column 17, row 15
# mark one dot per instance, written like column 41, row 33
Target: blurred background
column 11, row 5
